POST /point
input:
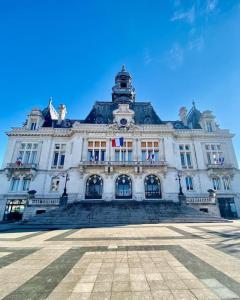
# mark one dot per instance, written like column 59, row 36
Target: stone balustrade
column 200, row 200
column 44, row 202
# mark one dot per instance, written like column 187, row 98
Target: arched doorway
column 123, row 187
column 152, row 187
column 94, row 187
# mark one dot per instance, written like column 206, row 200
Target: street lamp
column 66, row 175
column 178, row 178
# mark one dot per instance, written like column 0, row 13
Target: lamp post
column 178, row 178
column 66, row 175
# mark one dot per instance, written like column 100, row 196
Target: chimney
column 61, row 113
column 183, row 115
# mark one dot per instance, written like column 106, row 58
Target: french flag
column 118, row 142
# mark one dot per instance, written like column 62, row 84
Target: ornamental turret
column 123, row 91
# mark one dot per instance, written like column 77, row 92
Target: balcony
column 124, row 163
column 20, row 169
column 44, row 202
column 110, row 165
column 200, row 200
column 21, row 166
column 220, row 166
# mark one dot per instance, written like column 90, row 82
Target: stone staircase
column 95, row 213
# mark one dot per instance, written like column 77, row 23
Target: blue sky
column 176, row 50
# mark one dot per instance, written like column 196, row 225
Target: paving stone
column 84, row 287
column 156, row 285
column 121, row 296
column 100, row 296
column 162, row 295
column 204, row 294
column 102, row 286
column 183, row 295
column 139, row 286
column 121, row 286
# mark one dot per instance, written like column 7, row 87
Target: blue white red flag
column 117, row 142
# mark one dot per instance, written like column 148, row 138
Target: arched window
column 94, row 187
column 226, row 183
column 123, row 187
column 216, row 183
column 152, row 187
column 189, row 183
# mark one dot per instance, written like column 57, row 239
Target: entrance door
column 227, row 208
column 123, row 187
column 14, row 209
column 152, row 187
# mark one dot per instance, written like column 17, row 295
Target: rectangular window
column 14, row 184
column 55, row 184
column 185, row 156
column 117, row 155
column 189, row 183
column 28, row 153
column 189, row 161
column 96, row 151
column 183, row 159
column 214, row 154
column 59, row 156
column 150, row 151
column 26, row 184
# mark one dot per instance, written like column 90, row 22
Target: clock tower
column 123, row 91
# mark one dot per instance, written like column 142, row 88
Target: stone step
column 119, row 212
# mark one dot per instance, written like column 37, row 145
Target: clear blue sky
column 176, row 51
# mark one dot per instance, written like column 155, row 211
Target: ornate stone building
column 122, row 150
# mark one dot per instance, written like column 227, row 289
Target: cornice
column 104, row 129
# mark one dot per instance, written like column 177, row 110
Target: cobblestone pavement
column 165, row 261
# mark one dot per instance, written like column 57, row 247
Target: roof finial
column 50, row 100
column 194, row 104
column 123, row 68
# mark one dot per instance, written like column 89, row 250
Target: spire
column 123, row 68
column 193, row 105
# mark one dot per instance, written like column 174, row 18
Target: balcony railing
column 44, row 202
column 123, row 163
column 200, row 200
column 220, row 166
column 21, row 166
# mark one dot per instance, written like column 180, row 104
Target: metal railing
column 220, row 166
column 21, row 166
column 124, row 163
column 44, row 202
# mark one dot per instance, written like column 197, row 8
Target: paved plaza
column 155, row 261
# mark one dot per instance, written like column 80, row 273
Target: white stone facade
column 162, row 149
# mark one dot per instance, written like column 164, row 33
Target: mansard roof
column 102, row 112
column 123, row 92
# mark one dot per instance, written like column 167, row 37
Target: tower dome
column 123, row 91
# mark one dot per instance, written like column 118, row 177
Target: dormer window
column 209, row 126
column 33, row 126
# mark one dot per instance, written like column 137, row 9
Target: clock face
column 123, row 122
